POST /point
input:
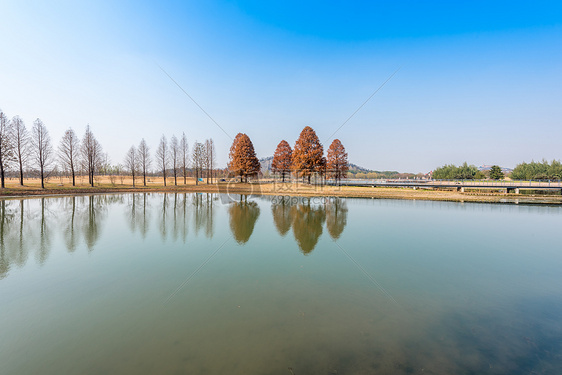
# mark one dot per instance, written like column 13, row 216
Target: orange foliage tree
column 337, row 164
column 244, row 161
column 308, row 153
column 282, row 159
column 233, row 151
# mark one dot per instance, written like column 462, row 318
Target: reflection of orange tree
column 243, row 217
column 336, row 217
column 282, row 216
column 307, row 226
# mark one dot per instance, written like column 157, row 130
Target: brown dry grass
column 105, row 184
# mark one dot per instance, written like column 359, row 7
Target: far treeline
column 305, row 160
column 32, row 154
column 543, row 171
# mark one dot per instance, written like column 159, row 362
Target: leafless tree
column 184, row 156
column 162, row 156
column 205, row 161
column 210, row 158
column 92, row 154
column 42, row 148
column 132, row 162
column 6, row 149
column 174, row 157
column 68, row 152
column 198, row 158
column 20, row 143
column 144, row 159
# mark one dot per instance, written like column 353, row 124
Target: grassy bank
column 32, row 187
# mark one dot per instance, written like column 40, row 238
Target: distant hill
column 266, row 164
column 355, row 168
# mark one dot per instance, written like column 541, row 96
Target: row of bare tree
column 20, row 150
column 173, row 158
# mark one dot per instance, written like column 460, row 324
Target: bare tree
column 132, row 162
column 184, row 156
column 210, row 158
column 144, row 159
column 42, row 148
column 162, row 156
column 6, row 150
column 20, row 143
column 198, row 157
column 205, row 161
column 174, row 157
column 68, row 152
column 92, row 154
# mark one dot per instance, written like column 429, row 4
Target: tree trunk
column 42, row 178
column 21, row 173
column 73, row 178
column 2, row 172
column 144, row 177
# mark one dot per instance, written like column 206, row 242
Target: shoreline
column 16, row 192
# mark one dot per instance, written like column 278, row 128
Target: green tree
column 538, row 171
column 496, row 173
column 462, row 172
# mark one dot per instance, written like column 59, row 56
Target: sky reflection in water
column 95, row 284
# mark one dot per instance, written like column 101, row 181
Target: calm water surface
column 193, row 284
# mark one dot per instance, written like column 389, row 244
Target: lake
column 204, row 284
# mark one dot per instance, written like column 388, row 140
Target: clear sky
column 480, row 81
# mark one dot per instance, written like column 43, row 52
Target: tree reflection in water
column 203, row 204
column 137, row 213
column 336, row 217
column 282, row 215
column 44, row 232
column 27, row 225
column 243, row 217
column 94, row 215
column 307, row 218
column 70, row 229
column 307, row 225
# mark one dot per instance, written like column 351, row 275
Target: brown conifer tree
column 307, row 154
column 233, row 151
column 245, row 162
column 337, row 160
column 282, row 159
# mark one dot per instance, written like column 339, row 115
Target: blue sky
column 479, row 81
